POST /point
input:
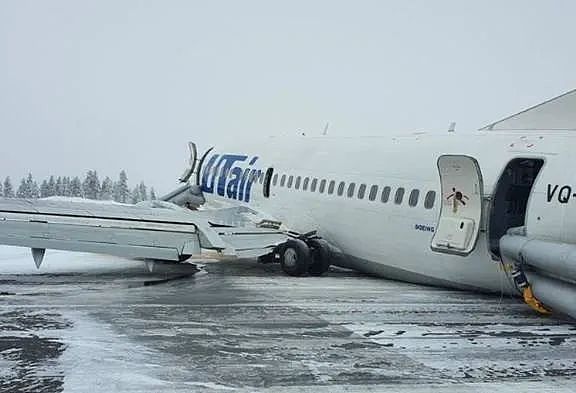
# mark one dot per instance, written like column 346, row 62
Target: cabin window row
column 352, row 190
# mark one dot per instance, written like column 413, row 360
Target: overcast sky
column 107, row 85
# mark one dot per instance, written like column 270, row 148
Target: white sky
column 125, row 84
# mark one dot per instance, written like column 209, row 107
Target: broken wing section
column 121, row 230
column 156, row 230
column 247, row 232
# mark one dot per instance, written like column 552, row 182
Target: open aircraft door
column 461, row 209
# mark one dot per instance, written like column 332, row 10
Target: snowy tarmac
column 92, row 323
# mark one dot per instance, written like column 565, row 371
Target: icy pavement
column 92, row 324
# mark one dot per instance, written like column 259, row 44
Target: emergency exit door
column 458, row 225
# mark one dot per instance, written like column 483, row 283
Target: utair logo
column 223, row 176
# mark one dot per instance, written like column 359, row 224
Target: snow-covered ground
column 90, row 323
column 18, row 260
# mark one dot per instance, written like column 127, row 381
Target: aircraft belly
column 398, row 251
column 400, row 273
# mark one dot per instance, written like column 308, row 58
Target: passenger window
column 298, row 180
column 322, row 185
column 341, row 188
column 429, row 200
column 399, row 196
column 283, row 181
column 351, row 188
column 305, row 184
column 361, row 191
column 373, row 192
column 413, row 199
column 385, row 194
column 331, row 187
column 290, row 181
column 275, row 181
column 313, row 185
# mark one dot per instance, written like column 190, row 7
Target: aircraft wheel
column 320, row 257
column 295, row 257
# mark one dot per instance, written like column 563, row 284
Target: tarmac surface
column 102, row 324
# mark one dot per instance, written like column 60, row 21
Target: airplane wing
column 153, row 230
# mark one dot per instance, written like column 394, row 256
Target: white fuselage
column 391, row 239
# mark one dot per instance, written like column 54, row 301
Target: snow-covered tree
column 75, row 188
column 23, row 190
column 152, row 194
column 121, row 190
column 44, row 192
column 135, row 195
column 51, row 186
column 28, row 188
column 91, row 185
column 1, row 190
column 8, row 189
column 32, row 187
column 143, row 191
column 59, row 189
column 107, row 190
column 66, row 186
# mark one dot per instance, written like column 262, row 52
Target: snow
column 18, row 260
column 89, row 323
column 84, row 200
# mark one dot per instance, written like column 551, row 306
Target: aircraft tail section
column 558, row 113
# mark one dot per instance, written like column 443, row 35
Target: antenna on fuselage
column 452, row 127
column 325, row 132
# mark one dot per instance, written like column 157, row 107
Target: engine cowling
column 189, row 196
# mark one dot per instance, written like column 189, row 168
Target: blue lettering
column 209, row 170
column 221, row 175
column 234, row 183
column 229, row 160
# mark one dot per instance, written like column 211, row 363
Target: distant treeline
column 90, row 187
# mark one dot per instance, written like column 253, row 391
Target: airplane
column 488, row 211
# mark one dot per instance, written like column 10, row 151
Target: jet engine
column 189, row 196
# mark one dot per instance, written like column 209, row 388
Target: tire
column 320, row 257
column 295, row 257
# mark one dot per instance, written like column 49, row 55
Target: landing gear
column 295, row 257
column 320, row 257
column 304, row 255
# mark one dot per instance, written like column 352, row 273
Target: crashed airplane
column 490, row 211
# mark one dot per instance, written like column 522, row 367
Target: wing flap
column 254, row 242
